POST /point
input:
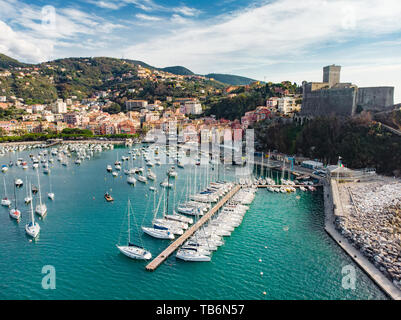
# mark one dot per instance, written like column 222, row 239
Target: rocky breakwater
column 373, row 225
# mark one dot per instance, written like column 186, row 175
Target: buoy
column 261, row 273
column 265, row 247
column 264, row 292
column 260, row 260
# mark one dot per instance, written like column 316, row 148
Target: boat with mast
column 50, row 194
column 5, row 201
column 15, row 213
column 156, row 231
column 132, row 250
column 41, row 208
column 32, row 228
column 28, row 197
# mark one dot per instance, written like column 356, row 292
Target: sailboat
column 131, row 179
column 15, row 213
column 131, row 250
column 41, row 208
column 5, row 201
column 51, row 193
column 28, row 197
column 159, row 232
column 32, row 228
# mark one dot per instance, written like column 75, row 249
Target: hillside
column 178, row 70
column 7, row 62
column 230, row 79
column 82, row 77
column 359, row 141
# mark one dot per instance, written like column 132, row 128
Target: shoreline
column 333, row 207
column 45, row 142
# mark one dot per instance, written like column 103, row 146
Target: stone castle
column 343, row 99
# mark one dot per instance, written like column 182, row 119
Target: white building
column 193, row 107
column 3, row 98
column 287, row 105
column 59, row 106
column 272, row 102
column 38, row 108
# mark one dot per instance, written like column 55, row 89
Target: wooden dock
column 177, row 243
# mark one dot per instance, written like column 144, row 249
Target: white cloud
column 106, row 4
column 147, row 17
column 177, row 19
column 283, row 29
column 186, row 11
column 17, row 45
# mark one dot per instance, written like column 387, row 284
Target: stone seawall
column 333, row 205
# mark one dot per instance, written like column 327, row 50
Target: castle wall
column 326, row 102
column 376, row 98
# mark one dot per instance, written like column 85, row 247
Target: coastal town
column 93, row 112
column 361, row 205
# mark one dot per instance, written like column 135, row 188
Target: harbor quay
column 338, row 205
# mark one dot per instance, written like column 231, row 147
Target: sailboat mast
column 32, row 215
column 40, row 193
column 5, row 189
column 15, row 196
column 129, row 231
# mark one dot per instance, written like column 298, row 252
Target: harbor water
column 280, row 251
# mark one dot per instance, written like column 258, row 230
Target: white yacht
column 158, row 232
column 41, row 208
column 32, row 228
column 131, row 250
column 131, row 180
column 5, row 201
column 192, row 254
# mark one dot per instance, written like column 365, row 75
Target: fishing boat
column 108, row 197
column 32, row 228
column 41, row 208
column 5, row 201
column 4, row 168
column 15, row 213
column 109, row 168
column 131, row 250
column 115, row 174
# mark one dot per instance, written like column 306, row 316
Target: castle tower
column 331, row 75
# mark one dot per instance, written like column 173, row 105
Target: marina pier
column 285, row 185
column 177, row 243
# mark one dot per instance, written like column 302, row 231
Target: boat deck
column 177, row 243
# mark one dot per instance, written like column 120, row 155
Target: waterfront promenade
column 333, row 206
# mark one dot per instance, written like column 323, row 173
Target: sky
column 268, row 40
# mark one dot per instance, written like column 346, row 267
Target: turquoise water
column 79, row 234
